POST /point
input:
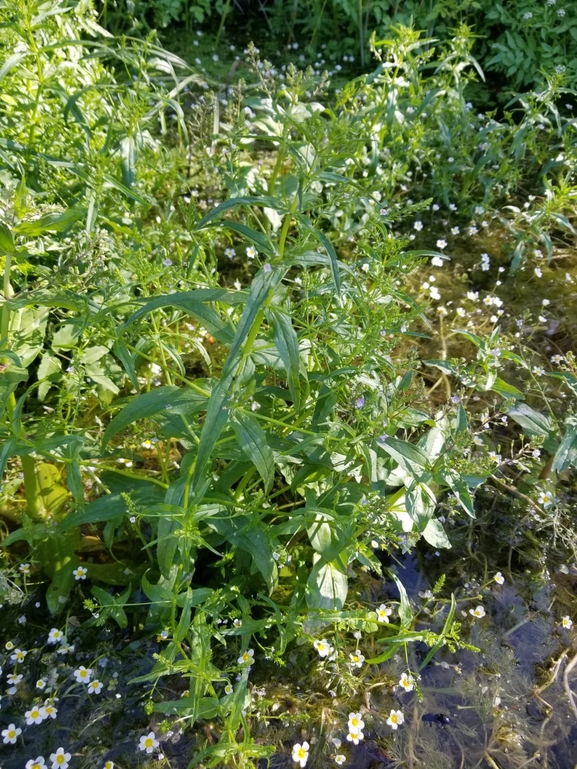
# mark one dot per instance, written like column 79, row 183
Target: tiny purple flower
column 167, row 263
column 360, row 402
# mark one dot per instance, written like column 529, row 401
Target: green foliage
column 221, row 447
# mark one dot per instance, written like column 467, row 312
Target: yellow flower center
column 302, row 753
column 60, row 759
column 394, row 719
column 354, row 721
column 148, row 742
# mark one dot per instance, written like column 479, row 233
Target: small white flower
column 83, row 675
column 11, row 734
column 251, row 252
column 247, row 658
column 396, row 719
column 566, row 621
column 300, row 753
column 323, row 648
column 356, row 723
column 545, row 499
column 499, row 578
column 80, row 573
column 355, row 736
column 34, row 715
column 55, row 636
column 148, row 742
column 436, row 261
column 95, row 687
column 356, row 659
column 418, row 225
column 557, row 359
column 340, row 759
column 495, row 457
column 60, row 759
column 441, row 243
column 407, row 682
column 19, row 655
column 478, row 612
column 37, row 763
column 383, row 613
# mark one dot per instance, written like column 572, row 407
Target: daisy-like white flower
column 323, row 648
column 24, row 568
column 36, row 763
column 34, row 716
column 356, row 659
column 557, row 359
column 356, row 723
column 355, row 736
column 340, row 759
column 228, row 689
column 495, row 457
column 9, row 645
column 230, row 252
column 49, row 710
column 247, row 658
column 80, row 573
column 83, row 675
column 251, row 252
column 11, row 734
column 383, row 613
column 442, row 243
column 148, row 742
column 478, row 612
column 566, row 622
column 545, row 499
column 301, row 753
column 55, row 636
column 395, row 719
column 95, row 687
column 499, row 578
column 14, row 679
column 436, row 261
column 19, row 655
column 407, row 682
column 41, row 683
column 60, row 759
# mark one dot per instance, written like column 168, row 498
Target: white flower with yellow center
column 356, row 659
column 340, row 759
column 356, row 723
column 545, row 499
column 247, row 657
column 383, row 613
column 567, row 622
column 11, row 734
column 355, row 736
column 148, row 742
column 83, row 675
column 478, row 612
column 55, row 636
column 301, row 753
column 323, row 648
column 499, row 578
column 395, row 719
column 36, row 763
column 34, row 716
column 60, row 759
column 407, row 682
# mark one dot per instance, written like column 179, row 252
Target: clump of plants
column 229, row 400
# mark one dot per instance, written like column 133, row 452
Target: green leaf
column 308, row 225
column 193, row 303
column 252, row 440
column 287, row 344
column 410, row 458
column 533, row 422
column 50, row 223
column 327, row 586
column 435, row 534
column 405, row 613
column 566, row 454
column 260, row 240
column 176, row 400
column 248, row 200
column 249, row 535
column 218, row 406
column 506, row 390
column 6, row 240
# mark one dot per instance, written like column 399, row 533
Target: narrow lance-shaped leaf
column 252, row 440
column 287, row 344
column 217, row 411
